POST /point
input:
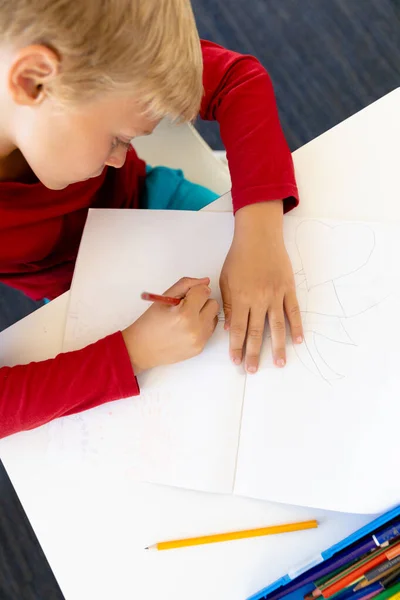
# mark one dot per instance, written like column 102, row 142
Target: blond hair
column 147, row 48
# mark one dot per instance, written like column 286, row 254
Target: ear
column 31, row 72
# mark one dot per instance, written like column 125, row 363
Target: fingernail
column 226, row 326
column 251, row 369
column 236, row 361
column 280, row 362
column 299, row 339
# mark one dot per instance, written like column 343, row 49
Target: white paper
column 322, row 432
column 315, row 433
column 183, row 429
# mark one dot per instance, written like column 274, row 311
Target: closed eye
column 117, row 142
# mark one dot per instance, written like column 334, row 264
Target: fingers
column 238, row 329
column 196, row 298
column 255, row 333
column 226, row 302
column 209, row 314
column 276, row 319
column 182, row 287
column 293, row 314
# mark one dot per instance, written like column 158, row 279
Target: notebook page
column 183, row 429
column 322, row 432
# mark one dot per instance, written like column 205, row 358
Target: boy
column 79, row 80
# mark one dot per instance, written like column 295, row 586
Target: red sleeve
column 239, row 95
column 34, row 394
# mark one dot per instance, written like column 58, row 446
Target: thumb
column 181, row 287
column 226, row 301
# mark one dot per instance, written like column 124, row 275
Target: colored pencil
column 383, row 569
column 361, row 585
column 392, row 578
column 323, row 580
column 369, row 592
column 391, row 592
column 344, row 557
column 364, row 560
column 162, row 299
column 349, row 593
column 387, row 535
column 234, row 535
column 368, row 596
column 379, row 572
column 393, row 551
column 331, row 578
column 390, row 553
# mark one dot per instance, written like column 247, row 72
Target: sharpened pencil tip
column 146, row 548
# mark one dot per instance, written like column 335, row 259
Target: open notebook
column 321, row 432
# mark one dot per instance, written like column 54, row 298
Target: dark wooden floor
column 328, row 59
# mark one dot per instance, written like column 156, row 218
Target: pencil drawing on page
column 344, row 251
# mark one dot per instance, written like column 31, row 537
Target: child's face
column 67, row 146
column 62, row 146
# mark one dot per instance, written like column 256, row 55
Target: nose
column 117, row 157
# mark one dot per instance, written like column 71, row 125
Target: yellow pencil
column 234, row 535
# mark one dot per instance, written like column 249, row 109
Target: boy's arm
column 257, row 278
column 32, row 395
column 239, row 95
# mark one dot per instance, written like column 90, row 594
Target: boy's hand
column 169, row 334
column 257, row 282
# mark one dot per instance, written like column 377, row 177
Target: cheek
column 87, row 155
column 58, row 149
column 82, row 149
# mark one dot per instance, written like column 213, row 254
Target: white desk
column 88, row 523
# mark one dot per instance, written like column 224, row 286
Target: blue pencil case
column 285, row 581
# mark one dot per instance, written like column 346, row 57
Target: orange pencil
column 161, row 299
column 234, row 535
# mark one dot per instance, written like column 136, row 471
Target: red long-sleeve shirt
column 40, row 231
